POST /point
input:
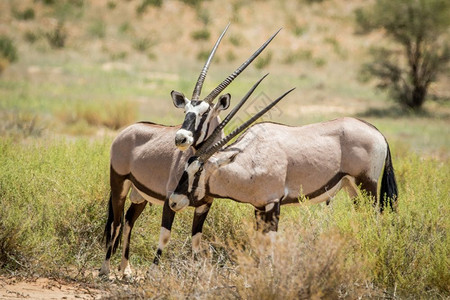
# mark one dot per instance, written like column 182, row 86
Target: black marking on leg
column 367, row 184
column 108, row 253
column 199, row 220
column 271, row 218
column 260, row 217
column 157, row 256
column 133, row 212
column 168, row 216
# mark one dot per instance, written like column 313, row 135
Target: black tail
column 389, row 192
column 107, row 234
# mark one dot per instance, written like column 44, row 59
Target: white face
column 195, row 124
column 198, row 116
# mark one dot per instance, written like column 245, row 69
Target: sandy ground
column 45, row 288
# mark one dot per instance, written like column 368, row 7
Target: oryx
column 145, row 160
column 274, row 164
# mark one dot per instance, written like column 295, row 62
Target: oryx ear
column 224, row 102
column 178, row 99
column 219, row 162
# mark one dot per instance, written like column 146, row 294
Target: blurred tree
column 420, row 30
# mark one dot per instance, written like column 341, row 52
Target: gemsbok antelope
column 272, row 164
column 145, row 160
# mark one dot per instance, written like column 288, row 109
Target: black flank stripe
column 145, row 189
column 330, row 184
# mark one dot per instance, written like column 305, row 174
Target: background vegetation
column 84, row 69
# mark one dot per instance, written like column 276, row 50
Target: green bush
column 263, row 61
column 26, row 14
column 110, row 114
column 57, row 37
column 8, row 52
column 52, row 204
column 202, row 34
column 145, row 3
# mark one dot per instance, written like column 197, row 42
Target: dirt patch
column 45, row 288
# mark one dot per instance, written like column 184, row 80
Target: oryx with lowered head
column 272, row 164
column 145, row 160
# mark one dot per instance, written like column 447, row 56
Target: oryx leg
column 119, row 190
column 349, row 185
column 267, row 223
column 369, row 185
column 267, row 220
column 272, row 216
column 166, row 227
column 200, row 215
column 134, row 211
column 260, row 219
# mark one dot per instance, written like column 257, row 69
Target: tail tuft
column 107, row 234
column 389, row 191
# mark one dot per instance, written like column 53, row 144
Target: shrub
column 26, row 14
column 194, row 3
column 143, row 44
column 263, row 61
column 31, row 36
column 8, row 52
column 7, row 49
column 202, row 34
column 57, row 37
column 145, row 3
column 98, row 29
column 111, row 114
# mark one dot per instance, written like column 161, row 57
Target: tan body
column 279, row 162
column 148, row 153
column 273, row 164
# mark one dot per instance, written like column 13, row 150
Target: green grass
column 54, row 169
column 53, row 196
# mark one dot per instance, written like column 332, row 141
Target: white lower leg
column 164, row 237
column 196, row 242
column 124, row 264
column 104, row 270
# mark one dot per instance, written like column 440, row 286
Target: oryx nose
column 173, row 204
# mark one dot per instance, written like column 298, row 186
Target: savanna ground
column 60, row 108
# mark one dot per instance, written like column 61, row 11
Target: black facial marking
column 183, row 184
column 189, row 122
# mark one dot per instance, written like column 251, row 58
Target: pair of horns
column 206, row 150
column 201, row 78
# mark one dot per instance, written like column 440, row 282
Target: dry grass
column 297, row 264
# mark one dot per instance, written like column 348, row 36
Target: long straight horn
column 202, row 76
column 204, row 147
column 238, row 71
column 217, row 146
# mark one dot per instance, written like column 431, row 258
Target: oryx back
column 276, row 161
